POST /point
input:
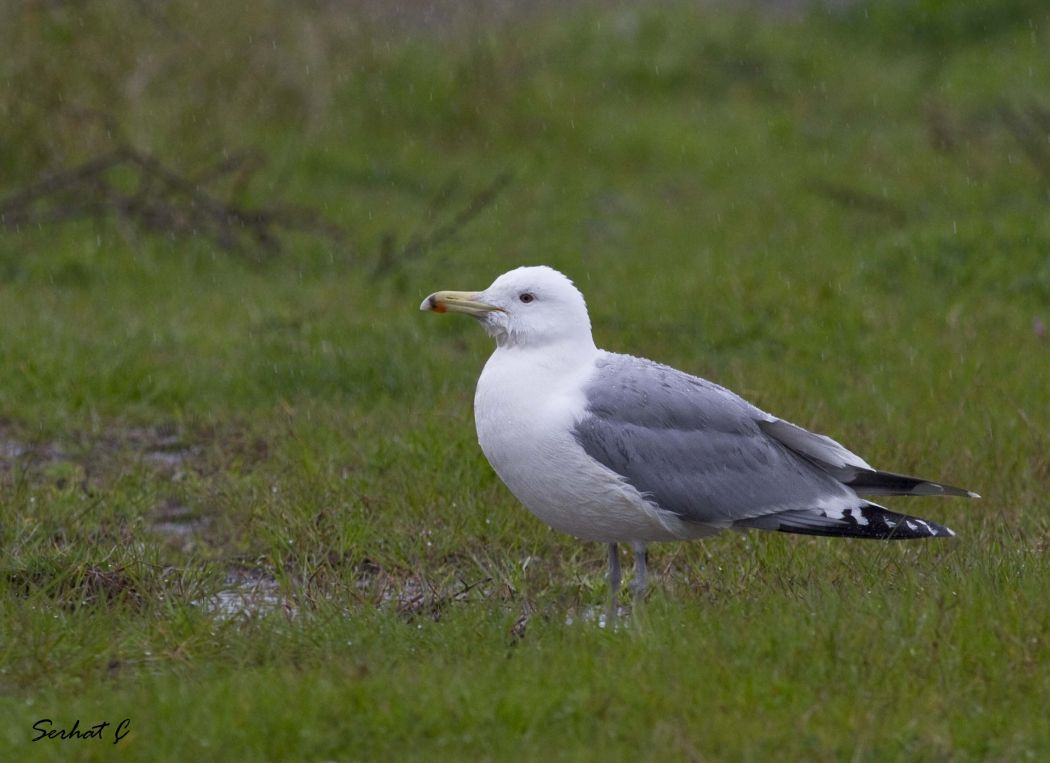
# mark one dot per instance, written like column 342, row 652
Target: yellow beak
column 458, row 302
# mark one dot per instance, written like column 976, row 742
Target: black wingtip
column 867, row 520
column 874, row 482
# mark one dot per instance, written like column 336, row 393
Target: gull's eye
column 526, row 297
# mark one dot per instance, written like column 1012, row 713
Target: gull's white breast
column 525, row 407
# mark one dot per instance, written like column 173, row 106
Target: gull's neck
column 519, row 382
column 568, row 353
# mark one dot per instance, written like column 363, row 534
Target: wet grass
column 242, row 502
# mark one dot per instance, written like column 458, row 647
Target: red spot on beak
column 437, row 307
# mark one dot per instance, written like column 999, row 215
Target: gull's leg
column 614, row 583
column 641, row 570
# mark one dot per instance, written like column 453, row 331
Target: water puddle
column 248, row 594
column 175, row 520
column 11, row 449
column 596, row 615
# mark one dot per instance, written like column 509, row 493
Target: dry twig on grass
column 856, row 198
column 391, row 257
column 161, row 200
column 1030, row 127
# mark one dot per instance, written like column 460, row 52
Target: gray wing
column 704, row 453
column 700, row 451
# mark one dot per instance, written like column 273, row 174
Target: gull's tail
column 866, row 520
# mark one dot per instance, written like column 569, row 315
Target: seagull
column 618, row 449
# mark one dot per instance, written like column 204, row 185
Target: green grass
column 829, row 214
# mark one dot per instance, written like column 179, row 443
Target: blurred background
column 217, row 221
column 182, row 169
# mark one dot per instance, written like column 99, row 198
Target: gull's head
column 525, row 307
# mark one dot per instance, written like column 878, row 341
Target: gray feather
column 695, row 448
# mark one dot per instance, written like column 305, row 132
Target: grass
column 242, row 501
